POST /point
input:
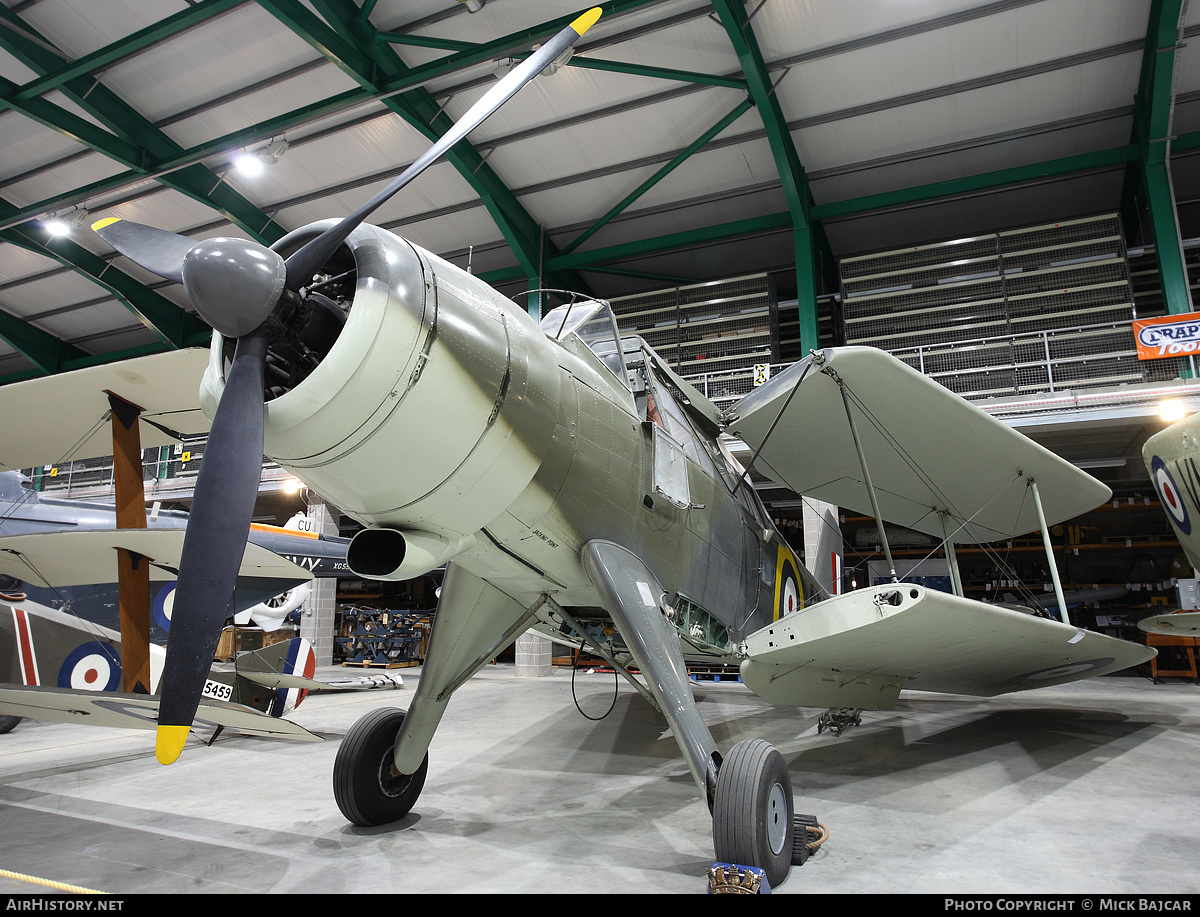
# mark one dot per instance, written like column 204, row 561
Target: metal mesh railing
column 728, row 324
column 1003, row 312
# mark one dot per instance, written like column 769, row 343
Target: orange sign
column 1167, row 336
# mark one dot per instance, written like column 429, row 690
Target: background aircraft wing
column 87, row 557
column 136, row 711
column 60, row 417
column 862, row 648
column 926, row 448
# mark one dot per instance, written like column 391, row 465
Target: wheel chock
column 731, row 879
column 807, row 835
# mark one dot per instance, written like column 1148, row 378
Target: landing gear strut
column 368, row 788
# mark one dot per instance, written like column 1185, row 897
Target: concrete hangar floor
column 1088, row 788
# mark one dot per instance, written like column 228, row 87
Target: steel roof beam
column 791, row 173
column 1153, row 107
column 659, row 175
column 343, row 101
column 172, row 324
column 134, row 140
column 348, row 42
column 102, row 58
column 42, row 349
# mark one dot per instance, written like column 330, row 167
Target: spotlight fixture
column 253, row 162
column 59, row 226
column 473, row 6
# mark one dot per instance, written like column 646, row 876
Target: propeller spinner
column 247, row 291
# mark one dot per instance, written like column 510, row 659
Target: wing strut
column 948, row 546
column 1058, row 590
column 133, row 569
column 862, row 461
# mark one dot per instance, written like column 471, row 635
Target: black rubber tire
column 366, row 788
column 753, row 810
column 7, row 723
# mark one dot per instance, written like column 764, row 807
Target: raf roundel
column 1169, row 493
column 91, row 666
column 788, row 594
column 164, row 604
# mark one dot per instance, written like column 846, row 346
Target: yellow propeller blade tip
column 168, row 743
column 587, row 20
column 107, row 221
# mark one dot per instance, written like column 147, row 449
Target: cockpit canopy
column 593, row 322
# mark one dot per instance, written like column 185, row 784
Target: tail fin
column 823, row 545
column 283, row 666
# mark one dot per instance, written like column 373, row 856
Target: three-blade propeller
column 246, row 291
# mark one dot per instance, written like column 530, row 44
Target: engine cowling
column 432, row 408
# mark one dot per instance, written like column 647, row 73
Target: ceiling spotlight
column 473, row 6
column 249, row 164
column 501, row 67
column 64, row 225
column 1172, row 409
column 253, row 162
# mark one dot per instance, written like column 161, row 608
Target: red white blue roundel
column 1170, row 495
column 164, row 603
column 789, row 592
column 92, row 666
column 302, row 661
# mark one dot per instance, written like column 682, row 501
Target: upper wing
column 927, row 450
column 860, row 649
column 89, row 557
column 59, row 417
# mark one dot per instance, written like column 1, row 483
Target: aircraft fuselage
column 444, row 412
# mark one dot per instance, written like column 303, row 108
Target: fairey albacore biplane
column 575, row 484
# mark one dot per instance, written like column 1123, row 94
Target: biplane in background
column 575, row 484
column 1171, row 458
column 60, row 651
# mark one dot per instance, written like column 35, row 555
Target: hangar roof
column 682, row 141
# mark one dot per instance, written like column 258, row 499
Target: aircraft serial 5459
column 575, row 484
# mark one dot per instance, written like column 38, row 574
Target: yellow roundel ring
column 789, row 587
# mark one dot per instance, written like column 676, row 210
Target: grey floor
column 1088, row 788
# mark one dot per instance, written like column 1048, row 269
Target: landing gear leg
column 753, row 810
column 366, row 784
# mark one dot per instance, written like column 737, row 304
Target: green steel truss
column 342, row 32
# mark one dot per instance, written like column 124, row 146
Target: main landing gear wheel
column 7, row 723
column 752, row 810
column 368, row 788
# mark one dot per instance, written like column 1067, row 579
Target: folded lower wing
column 57, row 418
column 861, row 649
column 137, row 711
column 85, row 557
column 929, row 452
